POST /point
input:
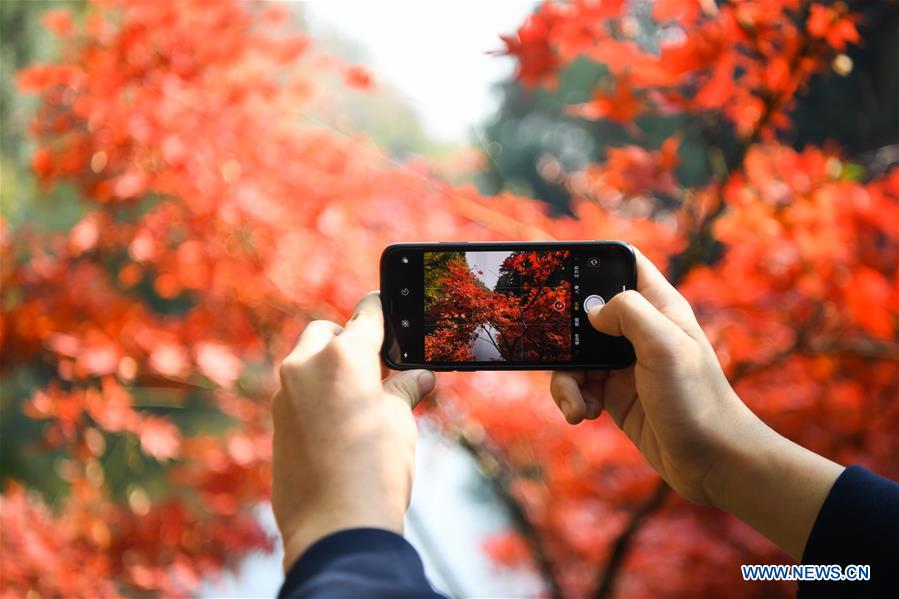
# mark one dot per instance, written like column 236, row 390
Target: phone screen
column 502, row 306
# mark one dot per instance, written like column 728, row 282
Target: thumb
column 628, row 313
column 411, row 385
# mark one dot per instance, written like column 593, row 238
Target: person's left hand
column 344, row 440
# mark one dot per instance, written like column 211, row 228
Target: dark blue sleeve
column 361, row 562
column 858, row 524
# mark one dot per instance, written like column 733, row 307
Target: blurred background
column 184, row 185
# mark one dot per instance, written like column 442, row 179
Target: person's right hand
column 677, row 407
column 674, row 403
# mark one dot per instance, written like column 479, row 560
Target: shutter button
column 591, row 301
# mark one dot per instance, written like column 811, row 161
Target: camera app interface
column 498, row 306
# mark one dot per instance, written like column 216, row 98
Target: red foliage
column 621, row 106
column 358, row 77
column 215, row 224
column 731, row 56
column 463, row 308
column 537, row 62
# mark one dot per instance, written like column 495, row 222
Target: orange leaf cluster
column 744, row 60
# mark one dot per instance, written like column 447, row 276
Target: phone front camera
column 594, row 262
column 404, row 323
column 404, row 291
column 405, row 260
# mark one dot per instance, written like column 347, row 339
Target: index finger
column 650, row 280
column 367, row 321
column 663, row 296
column 314, row 337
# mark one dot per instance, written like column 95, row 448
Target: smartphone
column 502, row 306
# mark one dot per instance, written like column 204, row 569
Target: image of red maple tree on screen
column 475, row 311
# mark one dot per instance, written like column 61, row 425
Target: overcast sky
column 485, row 265
column 435, row 53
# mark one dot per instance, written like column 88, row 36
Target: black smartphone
column 502, row 306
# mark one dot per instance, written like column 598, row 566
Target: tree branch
column 867, row 349
column 501, row 476
column 493, row 342
column 622, row 544
column 702, row 244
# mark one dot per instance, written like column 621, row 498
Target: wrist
column 772, row 484
column 318, row 524
column 742, row 454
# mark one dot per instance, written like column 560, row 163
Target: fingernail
column 594, row 310
column 426, row 382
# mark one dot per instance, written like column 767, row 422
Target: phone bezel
column 492, row 246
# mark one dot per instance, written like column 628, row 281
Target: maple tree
column 524, row 317
column 215, row 220
column 457, row 308
column 532, row 319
